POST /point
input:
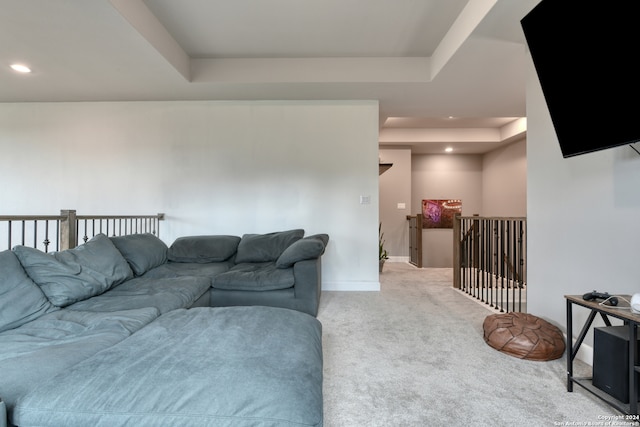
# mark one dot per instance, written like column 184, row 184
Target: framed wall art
column 438, row 213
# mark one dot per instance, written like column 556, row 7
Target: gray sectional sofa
column 213, row 330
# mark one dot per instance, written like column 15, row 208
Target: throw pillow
column 307, row 248
column 21, row 300
column 75, row 274
column 266, row 247
column 142, row 251
column 203, row 249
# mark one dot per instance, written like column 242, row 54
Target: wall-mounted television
column 585, row 55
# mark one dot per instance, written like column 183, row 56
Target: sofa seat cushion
column 21, row 300
column 178, row 269
column 75, row 274
column 142, row 251
column 231, row 366
column 45, row 347
column 265, row 247
column 203, row 249
column 255, row 277
column 164, row 294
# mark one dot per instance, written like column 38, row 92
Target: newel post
column 456, row 250
column 68, row 231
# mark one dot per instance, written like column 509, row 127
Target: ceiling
column 445, row 72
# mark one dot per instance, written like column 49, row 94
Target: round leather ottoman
column 524, row 336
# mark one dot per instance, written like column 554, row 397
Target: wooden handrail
column 159, row 217
column 31, row 217
column 502, row 218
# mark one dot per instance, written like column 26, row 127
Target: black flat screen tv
column 586, row 57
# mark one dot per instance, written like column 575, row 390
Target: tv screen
column 585, row 57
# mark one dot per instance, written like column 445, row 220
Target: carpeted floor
column 413, row 355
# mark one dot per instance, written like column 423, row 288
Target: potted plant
column 383, row 252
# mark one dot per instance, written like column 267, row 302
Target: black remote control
column 590, row 296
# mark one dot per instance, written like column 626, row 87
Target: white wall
column 583, row 228
column 212, row 167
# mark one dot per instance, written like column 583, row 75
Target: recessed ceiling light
column 448, row 149
column 20, row 68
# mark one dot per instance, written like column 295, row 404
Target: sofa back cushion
column 203, row 249
column 21, row 300
column 266, row 247
column 142, row 251
column 308, row 248
column 75, row 274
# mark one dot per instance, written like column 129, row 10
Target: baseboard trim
column 398, row 259
column 351, row 286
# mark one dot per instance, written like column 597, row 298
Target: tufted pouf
column 524, row 336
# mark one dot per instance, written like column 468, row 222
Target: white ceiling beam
column 472, row 14
column 514, row 129
column 510, row 132
column 439, row 135
column 310, row 70
column 147, row 24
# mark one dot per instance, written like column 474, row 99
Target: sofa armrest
column 308, row 284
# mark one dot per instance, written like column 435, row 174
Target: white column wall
column 582, row 218
column 504, row 181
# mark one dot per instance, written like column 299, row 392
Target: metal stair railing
column 490, row 262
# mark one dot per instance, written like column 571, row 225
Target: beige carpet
column 413, row 355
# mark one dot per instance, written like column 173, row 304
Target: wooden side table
column 622, row 312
